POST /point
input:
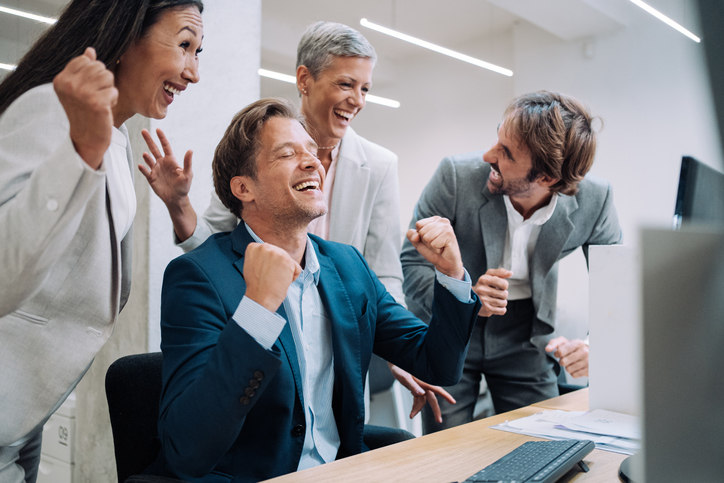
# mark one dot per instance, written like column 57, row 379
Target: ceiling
column 455, row 24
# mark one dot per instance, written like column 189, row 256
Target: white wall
column 648, row 83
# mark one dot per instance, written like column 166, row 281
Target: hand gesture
column 268, row 273
column 88, row 94
column 572, row 355
column 435, row 240
column 492, row 289
column 422, row 393
column 167, row 179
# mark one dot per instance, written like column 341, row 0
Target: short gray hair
column 324, row 40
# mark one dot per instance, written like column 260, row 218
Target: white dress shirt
column 519, row 245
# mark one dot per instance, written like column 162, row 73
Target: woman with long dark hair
column 66, row 196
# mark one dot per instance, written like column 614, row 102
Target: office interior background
column 647, row 82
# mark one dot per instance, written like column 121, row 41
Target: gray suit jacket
column 65, row 276
column 458, row 192
column 365, row 211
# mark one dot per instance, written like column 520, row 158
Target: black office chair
column 133, row 391
column 380, row 380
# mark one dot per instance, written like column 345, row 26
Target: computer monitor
column 700, row 196
column 683, row 335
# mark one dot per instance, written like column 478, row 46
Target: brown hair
column 557, row 131
column 236, row 153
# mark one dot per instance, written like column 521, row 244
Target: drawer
column 58, row 438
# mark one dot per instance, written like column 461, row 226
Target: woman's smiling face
column 159, row 65
column 335, row 97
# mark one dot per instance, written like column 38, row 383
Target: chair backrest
column 133, row 391
column 381, row 377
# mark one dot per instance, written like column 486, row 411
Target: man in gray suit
column 516, row 210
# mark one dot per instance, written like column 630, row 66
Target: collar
column 539, row 217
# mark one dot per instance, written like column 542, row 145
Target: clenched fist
column 88, row 94
column 435, row 240
column 492, row 289
column 268, row 273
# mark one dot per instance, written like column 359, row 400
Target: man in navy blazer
column 267, row 331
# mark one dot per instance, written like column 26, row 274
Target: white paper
column 556, row 424
column 604, row 422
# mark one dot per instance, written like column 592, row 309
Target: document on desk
column 609, row 430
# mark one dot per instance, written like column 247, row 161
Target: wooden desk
column 456, row 453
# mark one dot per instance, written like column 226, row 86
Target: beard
column 501, row 186
column 515, row 187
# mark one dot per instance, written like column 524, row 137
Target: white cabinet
column 57, row 459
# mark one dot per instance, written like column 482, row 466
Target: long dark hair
column 108, row 26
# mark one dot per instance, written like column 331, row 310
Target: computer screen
column 700, row 196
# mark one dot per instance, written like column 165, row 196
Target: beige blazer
column 65, row 277
column 365, row 211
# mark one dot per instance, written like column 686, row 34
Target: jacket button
column 249, row 392
column 254, row 384
column 258, row 375
column 298, row 430
column 244, row 400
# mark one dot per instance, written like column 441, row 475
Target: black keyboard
column 538, row 461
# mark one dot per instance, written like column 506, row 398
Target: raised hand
column 435, row 240
column 492, row 289
column 86, row 90
column 168, row 180
column 268, row 273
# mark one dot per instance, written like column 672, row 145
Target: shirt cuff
column 459, row 288
column 264, row 326
column 200, row 234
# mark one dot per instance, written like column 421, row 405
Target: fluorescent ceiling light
column 293, row 80
column 31, row 16
column 674, row 25
column 436, row 48
column 7, row 66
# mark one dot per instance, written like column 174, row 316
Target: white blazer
column 365, row 211
column 65, row 276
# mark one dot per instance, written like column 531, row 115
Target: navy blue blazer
column 231, row 410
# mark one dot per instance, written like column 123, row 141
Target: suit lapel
column 127, row 242
column 240, row 238
column 348, row 377
column 551, row 241
column 350, row 185
column 493, row 223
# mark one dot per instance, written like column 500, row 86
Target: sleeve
column 44, row 189
column 264, row 326
column 208, row 362
column 437, row 198
column 217, row 218
column 606, row 230
column 382, row 245
column 434, row 352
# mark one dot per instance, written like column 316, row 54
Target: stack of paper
column 609, row 430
